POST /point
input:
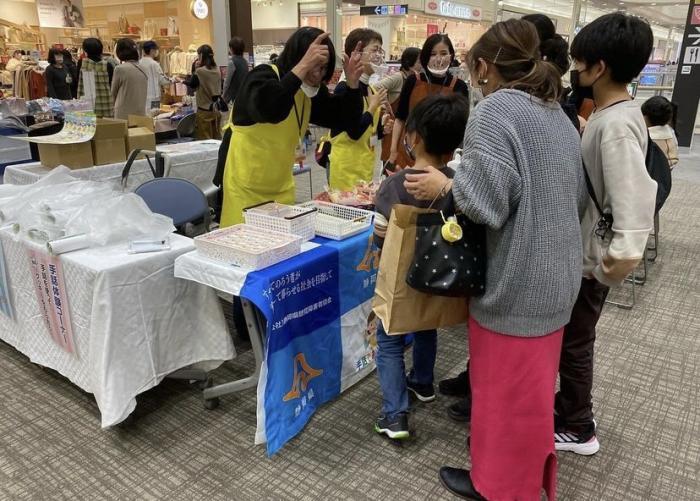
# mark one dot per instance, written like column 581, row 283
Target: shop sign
column 60, row 13
column 200, row 9
column 384, row 10
column 452, row 9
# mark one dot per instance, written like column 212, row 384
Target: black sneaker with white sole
column 584, row 443
column 423, row 392
column 396, row 428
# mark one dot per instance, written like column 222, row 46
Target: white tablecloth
column 194, row 161
column 133, row 321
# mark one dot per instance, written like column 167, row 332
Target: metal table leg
column 256, row 329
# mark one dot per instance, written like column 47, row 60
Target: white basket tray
column 272, row 216
column 339, row 222
column 248, row 247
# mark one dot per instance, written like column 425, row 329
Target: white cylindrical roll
column 68, row 244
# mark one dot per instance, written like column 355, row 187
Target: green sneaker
column 396, row 429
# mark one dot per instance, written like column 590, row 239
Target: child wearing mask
column 608, row 54
column 434, row 129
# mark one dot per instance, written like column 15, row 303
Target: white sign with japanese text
column 50, row 288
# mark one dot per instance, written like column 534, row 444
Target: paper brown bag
column 401, row 308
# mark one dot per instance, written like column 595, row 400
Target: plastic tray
column 339, row 222
column 248, row 246
column 272, row 216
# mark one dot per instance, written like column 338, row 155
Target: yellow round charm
column 451, row 231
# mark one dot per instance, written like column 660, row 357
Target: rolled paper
column 68, row 244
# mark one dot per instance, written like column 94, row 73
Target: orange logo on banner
column 371, row 259
column 303, row 373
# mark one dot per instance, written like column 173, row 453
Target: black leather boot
column 459, row 483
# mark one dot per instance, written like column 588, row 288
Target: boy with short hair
column 608, row 53
column 434, row 129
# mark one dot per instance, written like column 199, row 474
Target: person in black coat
column 58, row 78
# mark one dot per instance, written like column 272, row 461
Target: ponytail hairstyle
column 553, row 48
column 513, row 48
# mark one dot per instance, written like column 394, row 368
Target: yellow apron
column 260, row 161
column 353, row 161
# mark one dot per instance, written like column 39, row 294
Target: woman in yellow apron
column 271, row 115
column 352, row 157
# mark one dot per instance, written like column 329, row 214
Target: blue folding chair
column 178, row 199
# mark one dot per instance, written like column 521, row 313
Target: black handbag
column 446, row 268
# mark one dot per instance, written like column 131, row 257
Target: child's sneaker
column 396, row 428
column 423, row 392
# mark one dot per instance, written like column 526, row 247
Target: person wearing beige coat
column 130, row 82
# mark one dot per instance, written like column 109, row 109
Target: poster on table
column 78, row 127
column 321, row 332
column 5, row 301
column 60, row 13
column 50, row 289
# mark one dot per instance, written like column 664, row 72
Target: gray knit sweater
column 521, row 177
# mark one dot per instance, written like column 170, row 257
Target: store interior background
column 272, row 22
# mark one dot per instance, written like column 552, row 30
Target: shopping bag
column 401, row 308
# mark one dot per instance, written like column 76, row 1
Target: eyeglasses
column 374, row 51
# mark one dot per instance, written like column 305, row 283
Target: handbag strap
column 591, row 191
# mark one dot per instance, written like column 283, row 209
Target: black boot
column 461, row 411
column 456, row 386
column 459, row 483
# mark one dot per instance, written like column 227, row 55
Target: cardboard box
column 142, row 121
column 140, row 138
column 109, row 142
column 74, row 156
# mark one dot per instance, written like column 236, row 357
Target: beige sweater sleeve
column 631, row 194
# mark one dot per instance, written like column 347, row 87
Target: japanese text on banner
column 50, row 289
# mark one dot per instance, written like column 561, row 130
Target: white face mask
column 439, row 65
column 309, row 90
column 438, row 73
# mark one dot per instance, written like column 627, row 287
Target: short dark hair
column 440, row 121
column 364, row 35
column 623, row 42
column 16, row 52
column 53, row 52
column 409, row 58
column 296, row 47
column 237, row 46
column 67, row 56
column 149, row 47
column 553, row 48
column 93, row 48
column 430, row 44
column 207, row 54
column 126, row 50
column 545, row 26
column 658, row 110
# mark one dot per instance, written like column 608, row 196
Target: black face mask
column 581, row 92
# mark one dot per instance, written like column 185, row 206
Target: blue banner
column 310, row 351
